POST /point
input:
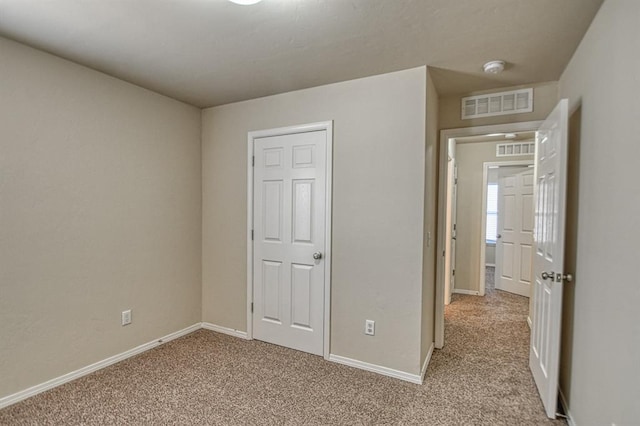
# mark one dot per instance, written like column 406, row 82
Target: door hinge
column 454, row 273
column 454, row 226
column 443, row 253
column 251, row 307
column 253, row 161
column 252, row 235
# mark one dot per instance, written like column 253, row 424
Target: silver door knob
column 499, row 236
column 547, row 275
column 317, row 255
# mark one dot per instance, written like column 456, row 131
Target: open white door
column 549, row 234
column 515, row 230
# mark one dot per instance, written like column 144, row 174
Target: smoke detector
column 493, row 67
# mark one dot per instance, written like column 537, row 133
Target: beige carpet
column 480, row 378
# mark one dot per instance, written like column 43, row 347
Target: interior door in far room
column 515, row 230
column 289, row 240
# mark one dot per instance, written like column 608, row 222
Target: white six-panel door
column 549, row 234
column 289, row 240
column 515, row 230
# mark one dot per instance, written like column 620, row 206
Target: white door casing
column 515, row 230
column 450, row 230
column 454, row 227
column 548, row 264
column 290, row 224
column 446, row 136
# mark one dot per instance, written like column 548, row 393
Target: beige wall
column 490, row 254
column 471, row 158
column 430, row 217
column 545, row 97
column 100, row 212
column 378, row 191
column 601, row 333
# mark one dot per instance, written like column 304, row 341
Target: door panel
column 272, row 283
column 302, row 211
column 525, row 263
column 301, row 288
column 550, row 201
column 272, row 211
column 289, row 227
column 507, row 260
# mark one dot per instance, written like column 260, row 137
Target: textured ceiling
column 212, row 52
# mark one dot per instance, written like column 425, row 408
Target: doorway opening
column 462, row 236
column 547, row 265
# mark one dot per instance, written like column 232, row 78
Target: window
column 492, row 213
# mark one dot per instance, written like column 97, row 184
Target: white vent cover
column 512, row 149
column 502, row 103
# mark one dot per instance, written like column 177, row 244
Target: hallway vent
column 502, row 103
column 512, row 149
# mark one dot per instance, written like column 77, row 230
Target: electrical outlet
column 369, row 327
column 126, row 317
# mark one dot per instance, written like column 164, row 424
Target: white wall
column 378, row 204
column 100, row 211
column 601, row 331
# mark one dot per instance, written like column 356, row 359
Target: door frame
column 450, row 206
column 483, row 226
column 445, row 135
column 280, row 131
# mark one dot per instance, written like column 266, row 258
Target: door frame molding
column 483, row 227
column 303, row 128
column 445, row 135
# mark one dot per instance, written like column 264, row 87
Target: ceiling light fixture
column 245, row 2
column 494, row 67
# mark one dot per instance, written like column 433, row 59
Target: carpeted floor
column 480, row 378
column 489, row 278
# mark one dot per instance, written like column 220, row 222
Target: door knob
column 317, row 255
column 547, row 275
column 499, row 236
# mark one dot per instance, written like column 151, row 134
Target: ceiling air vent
column 502, row 103
column 515, row 148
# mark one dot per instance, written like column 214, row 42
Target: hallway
column 484, row 364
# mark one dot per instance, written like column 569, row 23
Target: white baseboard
column 427, row 360
column 385, row 371
column 225, row 330
column 565, row 406
column 462, row 291
column 529, row 322
column 34, row 390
